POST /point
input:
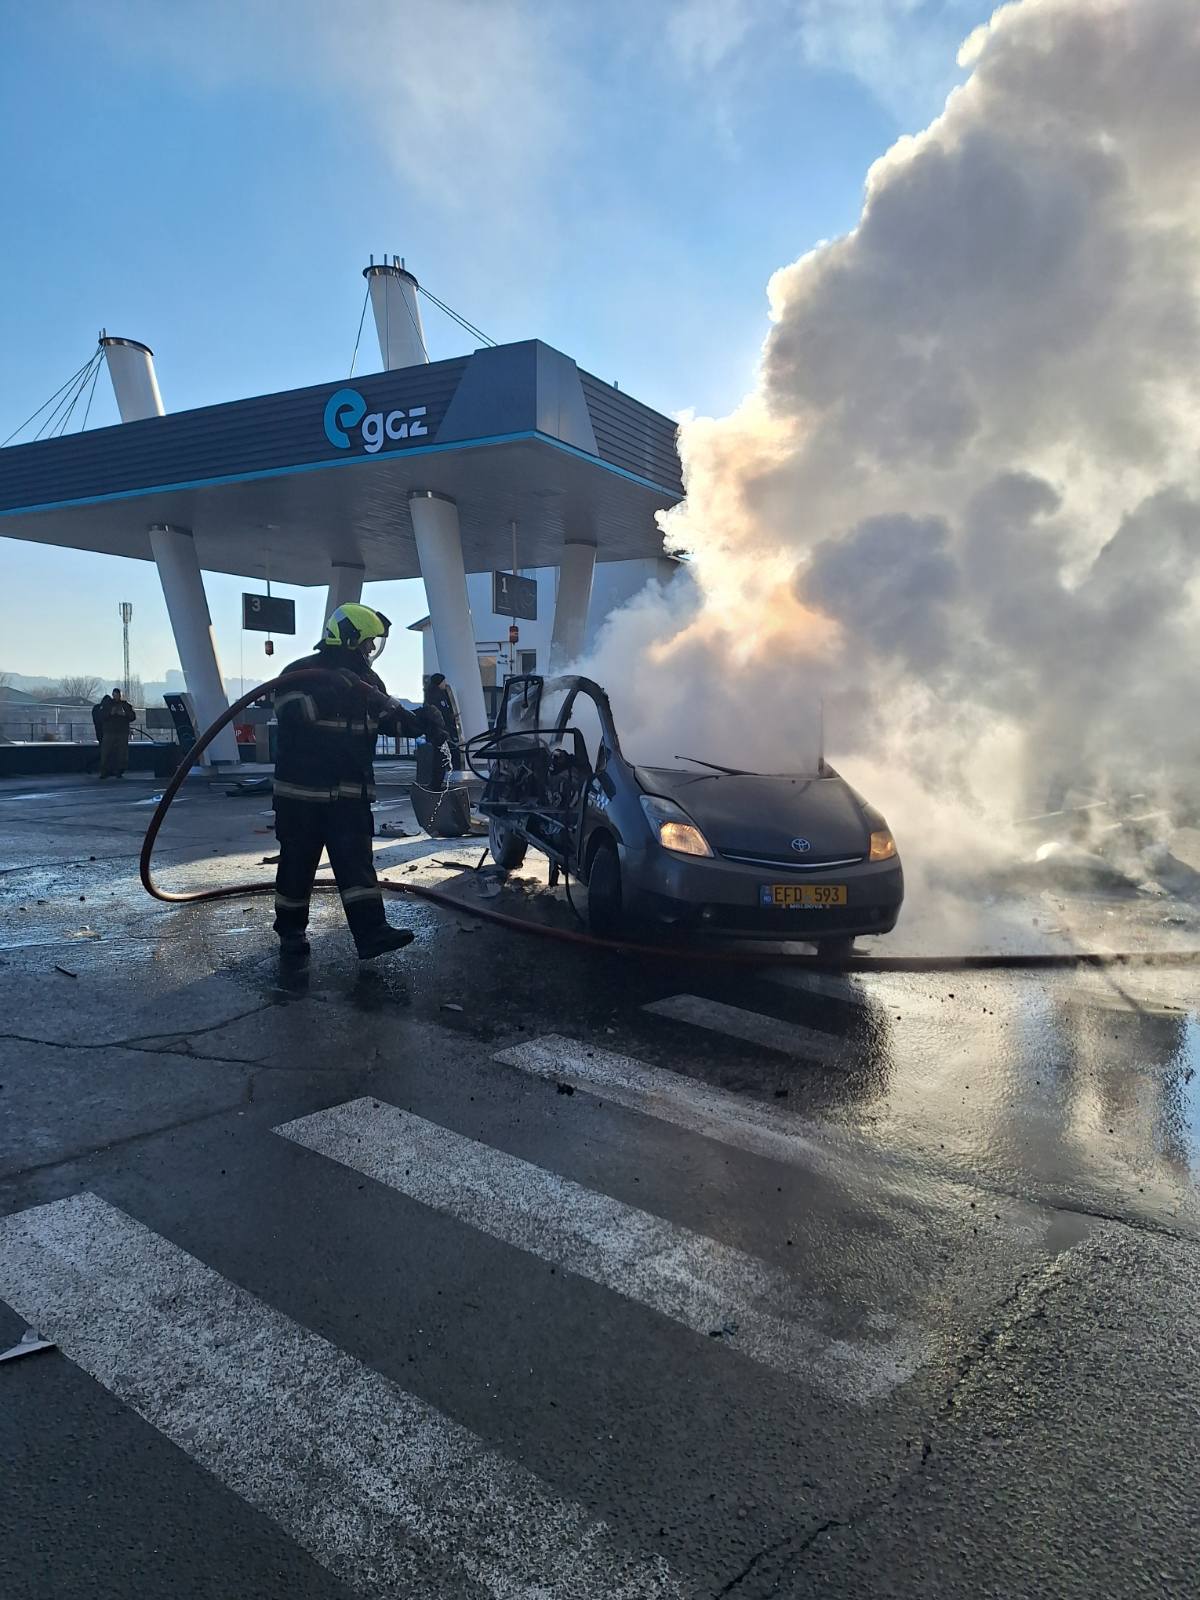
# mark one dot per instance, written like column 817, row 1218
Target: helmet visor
column 372, row 649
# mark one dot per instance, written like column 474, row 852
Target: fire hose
column 996, row 961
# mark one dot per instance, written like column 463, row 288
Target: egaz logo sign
column 348, row 422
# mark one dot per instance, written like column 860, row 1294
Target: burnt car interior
column 536, row 766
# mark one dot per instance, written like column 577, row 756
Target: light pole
column 126, row 615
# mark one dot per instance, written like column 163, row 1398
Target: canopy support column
column 345, row 587
column 439, row 549
column 187, row 606
column 571, row 605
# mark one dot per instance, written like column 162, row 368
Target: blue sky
column 618, row 178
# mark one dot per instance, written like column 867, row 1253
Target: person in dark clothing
column 115, row 717
column 325, row 780
column 441, row 697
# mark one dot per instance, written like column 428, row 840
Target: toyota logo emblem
column 801, row 845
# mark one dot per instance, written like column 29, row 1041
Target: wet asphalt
column 992, row 1174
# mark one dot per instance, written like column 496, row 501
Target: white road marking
column 790, row 1038
column 707, row 1286
column 672, row 1097
column 383, row 1490
column 830, row 984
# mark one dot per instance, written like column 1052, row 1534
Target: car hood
column 753, row 815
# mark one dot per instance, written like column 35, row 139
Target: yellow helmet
column 355, row 627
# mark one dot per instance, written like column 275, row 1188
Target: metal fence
column 40, row 722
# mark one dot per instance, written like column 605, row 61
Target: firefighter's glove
column 432, row 725
column 394, row 716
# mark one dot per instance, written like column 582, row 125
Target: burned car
column 690, row 845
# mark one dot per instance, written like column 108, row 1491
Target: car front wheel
column 606, row 914
column 507, row 846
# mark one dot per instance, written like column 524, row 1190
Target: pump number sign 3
column 513, row 596
column 265, row 613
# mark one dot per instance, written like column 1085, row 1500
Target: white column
column 135, row 384
column 134, row 380
column 439, row 550
column 187, row 606
column 571, row 605
column 345, row 587
column 397, row 315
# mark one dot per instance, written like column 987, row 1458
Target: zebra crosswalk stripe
column 672, row 1097
column 850, row 990
column 707, row 1286
column 789, row 1038
column 383, row 1490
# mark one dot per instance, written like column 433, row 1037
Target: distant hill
column 29, row 683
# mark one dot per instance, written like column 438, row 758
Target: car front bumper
column 715, row 894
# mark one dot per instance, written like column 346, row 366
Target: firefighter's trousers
column 343, row 828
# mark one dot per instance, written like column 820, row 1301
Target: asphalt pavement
column 511, row 1268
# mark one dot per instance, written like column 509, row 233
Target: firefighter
column 325, row 781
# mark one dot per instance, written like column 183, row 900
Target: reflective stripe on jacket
column 327, row 732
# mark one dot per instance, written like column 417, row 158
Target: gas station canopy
column 293, row 482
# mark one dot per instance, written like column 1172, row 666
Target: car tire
column 605, row 907
column 507, row 846
column 836, row 949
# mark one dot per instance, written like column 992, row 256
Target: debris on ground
column 451, row 1005
column 393, row 830
column 66, row 971
column 564, row 1088
column 28, row 1344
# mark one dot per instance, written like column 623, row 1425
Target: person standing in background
column 441, row 697
column 116, row 716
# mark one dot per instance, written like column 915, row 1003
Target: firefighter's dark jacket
column 328, row 728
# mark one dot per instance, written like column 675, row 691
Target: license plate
column 811, row 896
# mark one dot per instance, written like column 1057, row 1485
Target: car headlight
column 673, row 828
column 883, row 846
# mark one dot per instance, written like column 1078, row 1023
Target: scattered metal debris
column 28, row 1344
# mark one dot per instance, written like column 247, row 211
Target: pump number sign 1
column 265, row 613
column 513, row 596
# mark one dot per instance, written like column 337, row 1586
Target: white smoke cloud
column 901, row 51
column 962, row 506
column 469, row 101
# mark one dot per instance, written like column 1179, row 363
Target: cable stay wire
column 50, row 425
column 469, row 327
column 416, row 328
column 74, row 376
column 358, row 336
column 77, row 396
column 91, row 396
column 56, row 424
